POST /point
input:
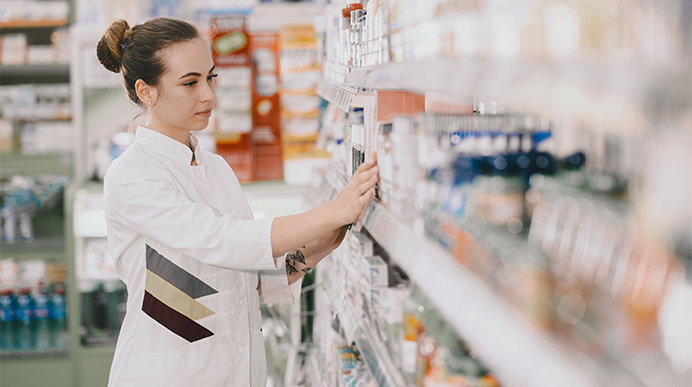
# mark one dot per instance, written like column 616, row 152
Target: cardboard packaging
column 231, row 56
column 266, row 112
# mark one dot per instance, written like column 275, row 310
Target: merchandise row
column 16, row 13
column 361, row 35
column 20, row 49
column 32, row 307
column 542, row 230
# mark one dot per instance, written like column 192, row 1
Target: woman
column 181, row 232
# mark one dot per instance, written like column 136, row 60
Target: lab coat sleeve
column 140, row 199
column 274, row 287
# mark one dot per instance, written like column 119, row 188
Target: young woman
column 181, row 233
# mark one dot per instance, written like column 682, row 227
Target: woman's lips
column 205, row 113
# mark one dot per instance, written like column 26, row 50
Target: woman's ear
column 147, row 94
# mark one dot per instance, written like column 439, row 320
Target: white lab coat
column 184, row 242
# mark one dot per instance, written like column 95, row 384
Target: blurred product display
column 532, row 225
column 33, row 307
column 517, row 184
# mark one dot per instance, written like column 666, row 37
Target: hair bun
column 110, row 48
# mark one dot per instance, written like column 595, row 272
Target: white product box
column 230, row 122
column 40, row 54
column 362, row 245
column 234, row 99
column 234, row 77
column 377, row 268
column 14, row 49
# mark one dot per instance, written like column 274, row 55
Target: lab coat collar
column 167, row 146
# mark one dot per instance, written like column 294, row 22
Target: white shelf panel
column 600, row 95
column 469, row 77
column 341, row 96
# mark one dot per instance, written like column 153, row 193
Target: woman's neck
column 177, row 133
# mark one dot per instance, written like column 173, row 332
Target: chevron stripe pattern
column 171, row 295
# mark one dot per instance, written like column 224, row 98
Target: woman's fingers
column 365, row 198
column 369, row 163
column 363, row 187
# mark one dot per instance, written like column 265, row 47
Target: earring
column 149, row 102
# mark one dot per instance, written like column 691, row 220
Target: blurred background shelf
column 34, row 354
column 476, row 311
column 34, row 73
column 19, row 248
column 23, row 24
column 34, row 164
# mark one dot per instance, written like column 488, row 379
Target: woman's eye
column 209, row 78
column 190, row 84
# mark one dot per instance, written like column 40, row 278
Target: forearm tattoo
column 293, row 259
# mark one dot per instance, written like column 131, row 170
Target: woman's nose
column 209, row 92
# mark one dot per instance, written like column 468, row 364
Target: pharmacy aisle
column 527, row 229
column 532, row 224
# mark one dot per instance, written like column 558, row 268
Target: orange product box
column 266, row 109
column 238, row 151
column 391, row 103
column 230, row 42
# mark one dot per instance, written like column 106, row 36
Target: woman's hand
column 293, row 231
column 353, row 199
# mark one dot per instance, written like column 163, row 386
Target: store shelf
column 36, row 164
column 518, row 352
column 339, row 95
column 35, row 69
column 358, row 329
column 473, row 77
column 34, row 353
column 34, row 73
column 47, row 243
column 603, row 95
column 45, row 23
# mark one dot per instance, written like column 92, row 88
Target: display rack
column 59, row 72
column 339, row 95
column 613, row 94
column 358, row 329
column 40, row 23
column 478, row 314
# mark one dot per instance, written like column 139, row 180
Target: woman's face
column 187, row 90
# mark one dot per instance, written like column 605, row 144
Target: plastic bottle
column 413, row 326
column 23, row 313
column 57, row 313
column 40, row 324
column 6, row 320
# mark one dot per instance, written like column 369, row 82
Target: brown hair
column 136, row 51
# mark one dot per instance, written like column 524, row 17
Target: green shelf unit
column 53, row 163
column 34, row 73
column 36, row 372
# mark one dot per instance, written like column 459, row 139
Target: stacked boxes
column 234, row 96
column 300, row 105
column 266, row 113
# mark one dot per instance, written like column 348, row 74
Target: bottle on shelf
column 24, row 314
column 40, row 322
column 7, row 318
column 57, row 319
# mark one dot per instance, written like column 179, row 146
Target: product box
column 391, row 103
column 233, row 120
column 266, row 110
column 13, row 50
column 237, row 151
column 361, row 245
column 229, row 46
column 234, row 77
column 377, row 269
